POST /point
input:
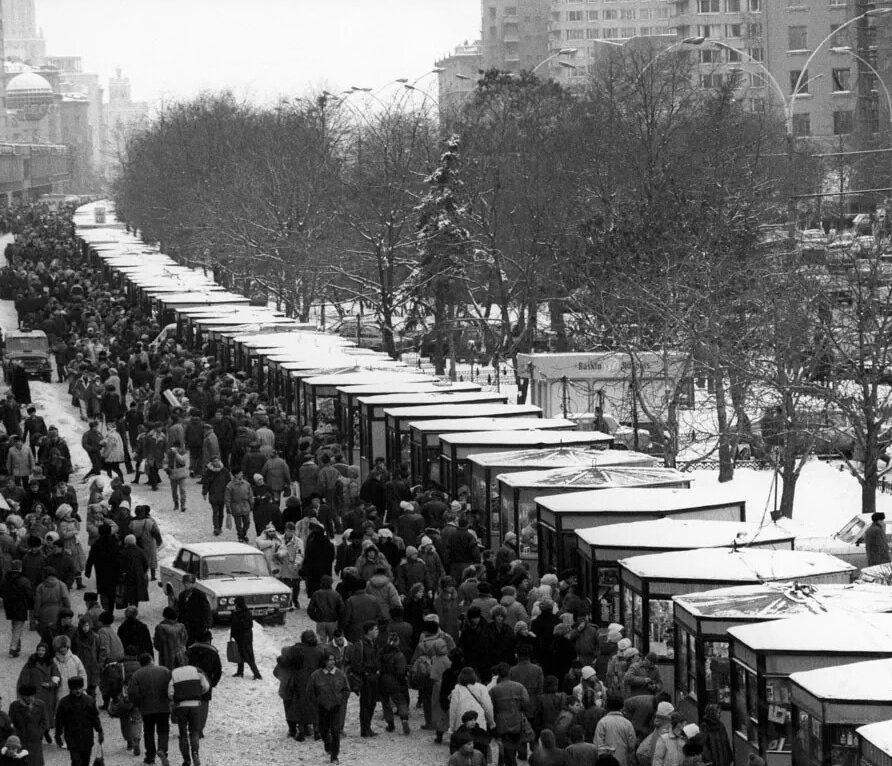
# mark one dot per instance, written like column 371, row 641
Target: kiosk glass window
column 632, row 607
column 808, row 745
column 608, row 593
column 746, row 705
column 843, row 745
column 717, row 672
column 661, row 630
column 528, row 537
column 779, row 721
column 507, row 504
column 687, row 663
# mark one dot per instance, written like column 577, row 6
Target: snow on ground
column 245, row 716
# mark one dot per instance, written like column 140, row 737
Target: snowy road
column 246, row 717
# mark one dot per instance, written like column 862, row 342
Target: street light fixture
column 685, row 41
column 561, row 52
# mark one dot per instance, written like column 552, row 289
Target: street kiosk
column 457, row 448
column 373, row 421
column 648, row 583
column 829, row 704
column 601, row 548
column 425, row 437
column 486, row 467
column 545, row 508
column 702, row 663
column 397, row 419
column 764, row 655
column 875, row 744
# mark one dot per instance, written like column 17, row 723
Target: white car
column 222, row 572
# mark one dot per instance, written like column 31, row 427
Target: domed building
column 32, row 105
column 29, row 91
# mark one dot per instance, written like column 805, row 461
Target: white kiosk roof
column 506, row 424
column 644, row 500
column 561, row 458
column 529, row 437
column 837, row 633
column 618, row 478
column 868, row 681
column 878, row 734
column 728, row 565
column 449, row 411
column 671, row 533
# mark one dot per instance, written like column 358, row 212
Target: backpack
column 420, row 671
column 314, row 611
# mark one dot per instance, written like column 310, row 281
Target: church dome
column 28, row 89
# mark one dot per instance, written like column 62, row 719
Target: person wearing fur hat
column 214, row 480
column 433, row 565
column 502, row 641
column 31, row 720
column 410, row 571
column 393, row 683
column 12, row 753
column 617, row 667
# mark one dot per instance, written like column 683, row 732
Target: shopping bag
column 98, row 758
column 232, row 651
column 228, row 521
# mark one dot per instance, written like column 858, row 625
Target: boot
column 154, row 574
column 406, row 726
column 136, row 747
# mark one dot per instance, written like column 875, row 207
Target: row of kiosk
column 797, row 656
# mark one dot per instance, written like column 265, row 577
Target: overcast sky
column 260, row 49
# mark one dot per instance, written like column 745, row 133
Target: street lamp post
column 873, row 71
column 665, row 51
column 561, row 52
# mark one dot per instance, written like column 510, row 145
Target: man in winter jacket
column 177, row 471
column 616, row 733
column 204, row 656
column 194, row 438
column 326, row 609
column 214, row 481
column 147, row 689
column 238, row 499
column 187, row 686
column 412, row 570
column 510, row 702
column 290, row 559
column 105, row 555
column 276, row 475
column 193, row 610
column 20, row 461
column 76, row 720
column 461, row 550
column 383, row 591
column 876, row 544
column 361, row 659
column 18, row 598
column 328, row 691
column 319, row 554
column 359, row 609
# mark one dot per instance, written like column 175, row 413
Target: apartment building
column 457, row 76
column 592, row 26
column 515, row 34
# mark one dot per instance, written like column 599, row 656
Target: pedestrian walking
column 193, row 610
column 293, row 669
column 134, row 572
column 170, row 639
column 18, row 599
column 186, row 688
column 29, row 717
column 241, row 630
column 362, row 666
column 328, row 691
column 176, row 463
column 214, row 481
column 238, row 500
column 204, row 656
column 76, row 720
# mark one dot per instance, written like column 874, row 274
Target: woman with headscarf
column 50, row 596
column 66, row 665
column 38, row 673
column 716, row 744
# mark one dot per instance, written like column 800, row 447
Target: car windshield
column 853, row 531
column 234, row 565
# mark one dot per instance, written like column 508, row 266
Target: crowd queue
column 403, row 594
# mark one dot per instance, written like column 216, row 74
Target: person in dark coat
column 134, row 632
column 76, row 720
column 18, row 598
column 29, row 717
column 876, row 544
column 193, row 610
column 134, row 571
column 204, row 656
column 716, row 743
column 241, row 630
column 474, row 643
column 293, row 669
column 38, row 672
column 105, row 556
column 319, row 555
column 18, row 383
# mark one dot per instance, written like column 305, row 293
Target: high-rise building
column 22, row 40
column 77, row 87
column 592, row 27
column 515, row 34
column 457, row 76
column 122, row 114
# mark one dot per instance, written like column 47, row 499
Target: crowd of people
column 397, row 579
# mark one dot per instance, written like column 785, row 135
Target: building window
column 611, row 15
column 839, row 2
column 733, row 30
column 511, row 11
column 797, row 38
column 710, row 56
column 492, row 12
column 575, row 16
column 708, row 6
column 591, row 34
column 753, row 30
column 575, row 34
column 754, row 6
column 801, row 124
column 592, row 15
column 644, row 14
column 627, row 32
column 842, row 122
column 627, row 14
column 610, row 33
column 757, row 79
column 732, row 6
column 710, row 81
column 754, row 53
column 708, row 30
column 803, row 81
column 842, row 79
column 493, row 33
column 840, row 36
column 661, row 13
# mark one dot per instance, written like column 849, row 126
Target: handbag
column 228, row 521
column 233, row 654
column 99, row 759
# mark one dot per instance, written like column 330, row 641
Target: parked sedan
column 226, row 570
